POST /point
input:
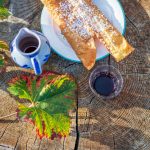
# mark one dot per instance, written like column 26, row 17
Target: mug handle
column 36, row 65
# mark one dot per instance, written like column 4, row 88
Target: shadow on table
column 121, row 123
column 6, row 77
column 9, row 121
column 9, row 28
column 4, row 80
column 123, row 138
column 123, row 119
column 25, row 10
column 23, row 14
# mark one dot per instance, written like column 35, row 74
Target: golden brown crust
column 117, row 45
column 84, row 47
column 85, row 50
column 94, row 24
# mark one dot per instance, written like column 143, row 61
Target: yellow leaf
column 4, row 46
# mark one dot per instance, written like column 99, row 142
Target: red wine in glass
column 104, row 84
column 106, row 81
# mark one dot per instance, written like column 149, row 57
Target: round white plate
column 112, row 9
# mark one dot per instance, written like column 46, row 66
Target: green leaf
column 19, row 87
column 51, row 97
column 1, row 62
column 4, row 13
column 1, row 2
column 3, row 45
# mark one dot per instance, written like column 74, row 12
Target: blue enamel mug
column 30, row 49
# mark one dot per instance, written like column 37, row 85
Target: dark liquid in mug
column 104, row 84
column 28, row 44
column 30, row 49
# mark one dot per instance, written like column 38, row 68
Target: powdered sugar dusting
column 80, row 18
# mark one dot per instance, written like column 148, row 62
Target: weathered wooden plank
column 128, row 114
column 119, row 124
column 24, row 134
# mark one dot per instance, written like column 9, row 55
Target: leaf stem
column 14, row 113
column 8, row 116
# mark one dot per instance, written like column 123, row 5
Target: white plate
column 112, row 9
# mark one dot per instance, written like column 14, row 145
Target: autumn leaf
column 4, row 12
column 3, row 46
column 1, row 61
column 51, row 97
column 2, row 2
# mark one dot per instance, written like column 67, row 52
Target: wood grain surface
column 119, row 124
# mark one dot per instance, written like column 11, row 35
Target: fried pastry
column 117, row 45
column 74, row 30
column 81, row 22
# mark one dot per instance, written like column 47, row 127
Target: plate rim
column 79, row 61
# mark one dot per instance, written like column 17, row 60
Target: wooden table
column 119, row 124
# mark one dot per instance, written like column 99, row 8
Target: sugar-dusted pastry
column 117, row 45
column 81, row 22
column 74, row 30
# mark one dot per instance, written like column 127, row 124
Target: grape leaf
column 19, row 87
column 3, row 45
column 4, row 12
column 1, row 2
column 51, row 96
column 1, row 61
